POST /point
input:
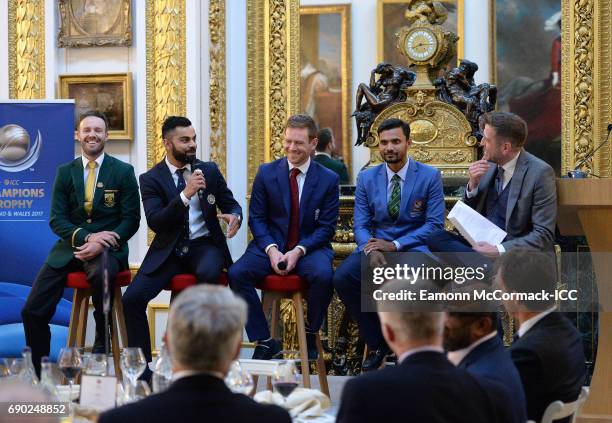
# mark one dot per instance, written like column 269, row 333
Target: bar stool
column 182, row 281
column 80, row 304
column 275, row 288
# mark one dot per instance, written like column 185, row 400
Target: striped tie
column 394, row 201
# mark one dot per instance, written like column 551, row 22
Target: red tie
column 293, row 235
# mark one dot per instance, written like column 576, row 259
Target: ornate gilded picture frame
column 325, row 72
column 390, row 17
column 107, row 93
column 88, row 23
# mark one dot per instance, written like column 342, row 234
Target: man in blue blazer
column 292, row 216
column 472, row 343
column 398, row 205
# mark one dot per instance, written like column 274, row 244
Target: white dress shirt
column 408, row 353
column 197, row 224
column 98, row 161
column 529, row 323
column 300, row 178
column 508, row 173
column 457, row 356
column 402, row 174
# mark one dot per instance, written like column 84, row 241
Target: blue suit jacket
column 491, row 360
column 421, row 209
column 271, row 206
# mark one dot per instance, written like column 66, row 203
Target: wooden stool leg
column 75, row 317
column 321, row 370
column 275, row 316
column 118, row 329
column 83, row 314
column 301, row 329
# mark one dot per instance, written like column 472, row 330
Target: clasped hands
column 290, row 257
column 95, row 243
column 375, row 248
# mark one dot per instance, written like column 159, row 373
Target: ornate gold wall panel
column 217, row 97
column 586, row 83
column 26, row 49
column 273, row 76
column 166, row 70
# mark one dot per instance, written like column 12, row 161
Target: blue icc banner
column 35, row 138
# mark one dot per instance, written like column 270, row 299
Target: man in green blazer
column 324, row 149
column 95, row 206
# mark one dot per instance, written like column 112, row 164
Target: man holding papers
column 513, row 189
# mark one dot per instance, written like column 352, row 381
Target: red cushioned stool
column 80, row 304
column 183, row 281
column 275, row 288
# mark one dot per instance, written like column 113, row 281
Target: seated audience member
column 472, row 343
column 398, row 206
column 510, row 187
column 180, row 205
column 424, row 386
column 548, row 351
column 204, row 336
column 323, row 155
column 292, row 216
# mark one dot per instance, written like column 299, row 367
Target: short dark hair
column 303, row 121
column 529, row 271
column 507, row 125
column 325, row 137
column 93, row 113
column 473, row 316
column 393, row 123
column 173, row 122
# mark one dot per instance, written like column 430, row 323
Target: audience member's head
column 326, row 142
column 404, row 330
column 463, row 329
column 522, row 272
column 205, row 328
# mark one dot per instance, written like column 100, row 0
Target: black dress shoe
column 311, row 346
column 374, row 359
column 265, row 350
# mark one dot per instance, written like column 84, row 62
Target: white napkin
column 304, row 405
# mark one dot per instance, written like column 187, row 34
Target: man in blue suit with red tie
column 292, row 216
column 398, row 205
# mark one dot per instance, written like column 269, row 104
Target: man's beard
column 458, row 341
column 186, row 157
column 392, row 158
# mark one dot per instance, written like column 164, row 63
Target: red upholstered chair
column 80, row 304
column 275, row 288
column 183, row 281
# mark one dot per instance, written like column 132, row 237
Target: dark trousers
column 454, row 250
column 315, row 268
column 204, row 259
column 47, row 291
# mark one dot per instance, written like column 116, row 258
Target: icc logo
column 16, row 152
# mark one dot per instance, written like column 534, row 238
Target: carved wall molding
column 217, row 97
column 26, row 19
column 273, row 77
column 166, row 70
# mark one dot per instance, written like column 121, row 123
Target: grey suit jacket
column 531, row 213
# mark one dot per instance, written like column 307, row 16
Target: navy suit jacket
column 550, row 359
column 425, row 387
column 270, row 207
column 166, row 212
column 421, row 208
column 491, row 360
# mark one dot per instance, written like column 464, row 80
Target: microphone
column 200, row 191
column 282, row 265
column 579, row 174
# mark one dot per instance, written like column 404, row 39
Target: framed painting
column 391, row 17
column 110, row 94
column 88, row 23
column 325, row 72
column 527, row 70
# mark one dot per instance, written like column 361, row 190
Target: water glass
column 97, row 365
column 136, row 391
column 133, row 363
column 239, row 380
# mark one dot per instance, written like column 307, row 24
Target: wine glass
column 286, row 378
column 133, row 363
column 97, row 365
column 14, row 366
column 70, row 363
column 238, row 379
column 136, row 392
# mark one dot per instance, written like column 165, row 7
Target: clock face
column 421, row 45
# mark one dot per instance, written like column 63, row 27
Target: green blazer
column 335, row 165
column 116, row 207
